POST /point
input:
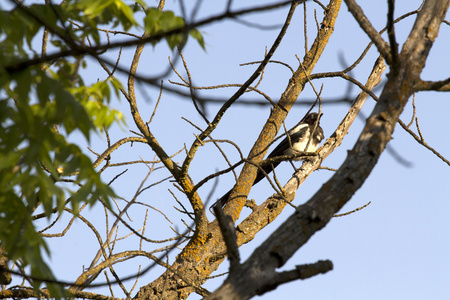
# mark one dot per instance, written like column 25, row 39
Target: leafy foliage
column 42, row 104
column 34, row 155
column 158, row 22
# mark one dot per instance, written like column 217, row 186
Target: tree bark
column 259, row 271
column 197, row 261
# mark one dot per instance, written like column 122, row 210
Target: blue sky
column 396, row 248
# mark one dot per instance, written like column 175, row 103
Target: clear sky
column 396, row 248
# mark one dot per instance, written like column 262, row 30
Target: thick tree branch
column 439, row 86
column 279, row 113
column 22, row 293
column 272, row 207
column 189, row 260
column 204, row 245
column 300, row 272
column 316, row 213
column 278, row 278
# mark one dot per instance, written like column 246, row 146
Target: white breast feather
column 301, row 147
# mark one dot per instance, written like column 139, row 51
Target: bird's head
column 312, row 118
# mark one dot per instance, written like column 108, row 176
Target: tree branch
column 272, row 207
column 339, row 189
column 238, row 93
column 422, row 142
column 300, row 272
column 391, row 35
column 279, row 113
column 364, row 23
column 226, row 225
column 94, row 51
column 439, row 86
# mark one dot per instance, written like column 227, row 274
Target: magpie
column 303, row 137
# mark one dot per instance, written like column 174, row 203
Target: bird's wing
column 295, row 134
column 287, row 142
column 281, row 148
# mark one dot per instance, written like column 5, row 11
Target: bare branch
column 360, row 17
column 262, row 216
column 422, row 142
column 226, row 225
column 116, row 145
column 95, row 51
column 440, row 86
column 236, row 95
column 339, row 189
column 300, row 272
column 352, row 211
column 391, row 35
column 157, row 103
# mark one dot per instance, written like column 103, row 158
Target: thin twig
column 414, row 111
column 157, row 103
column 423, row 143
column 352, row 211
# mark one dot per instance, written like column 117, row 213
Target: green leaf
column 95, row 8
column 62, row 106
column 33, row 154
column 199, row 37
column 158, row 22
column 126, row 14
column 151, row 20
column 114, row 12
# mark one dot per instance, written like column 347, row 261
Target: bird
column 303, row 137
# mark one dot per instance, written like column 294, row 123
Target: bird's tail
column 223, row 200
column 267, row 168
